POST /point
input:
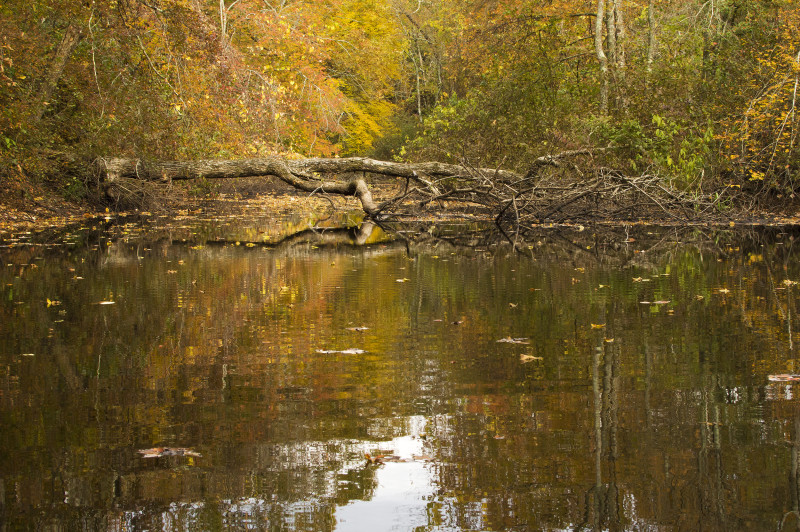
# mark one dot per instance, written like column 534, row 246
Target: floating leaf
column 352, row 351
column 783, row 377
column 358, row 329
column 157, row 452
column 403, row 280
column 107, row 303
column 598, row 325
column 509, row 340
column 528, row 358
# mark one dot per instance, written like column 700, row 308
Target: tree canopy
column 700, row 93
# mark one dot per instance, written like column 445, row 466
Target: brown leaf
column 157, row 452
column 509, row 340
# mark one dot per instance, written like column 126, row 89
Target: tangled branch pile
column 556, row 189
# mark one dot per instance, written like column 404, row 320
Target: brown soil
column 31, row 206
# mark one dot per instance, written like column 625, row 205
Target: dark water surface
column 634, row 392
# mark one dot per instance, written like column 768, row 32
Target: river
column 209, row 374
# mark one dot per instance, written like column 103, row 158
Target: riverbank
column 31, row 207
column 27, row 206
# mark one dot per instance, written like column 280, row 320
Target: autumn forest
column 698, row 94
column 337, row 265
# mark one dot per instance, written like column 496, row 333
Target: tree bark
column 533, row 197
column 611, row 32
column 651, row 36
column 601, row 55
column 619, row 20
column 70, row 40
column 303, row 174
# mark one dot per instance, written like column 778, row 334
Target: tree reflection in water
column 282, row 361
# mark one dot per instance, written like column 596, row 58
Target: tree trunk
column 303, row 174
column 620, row 85
column 619, row 19
column 509, row 197
column 71, row 38
column 651, row 36
column 601, row 55
column 611, row 32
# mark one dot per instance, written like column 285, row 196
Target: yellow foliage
column 366, row 122
column 762, row 138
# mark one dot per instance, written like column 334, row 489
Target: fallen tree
column 569, row 186
column 304, row 174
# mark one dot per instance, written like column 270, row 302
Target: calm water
column 632, row 390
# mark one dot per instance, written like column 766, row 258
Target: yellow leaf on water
column 598, row 325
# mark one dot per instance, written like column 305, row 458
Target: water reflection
column 633, row 392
